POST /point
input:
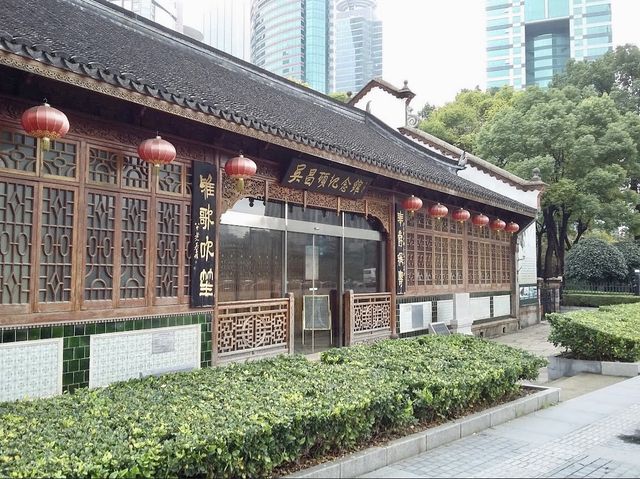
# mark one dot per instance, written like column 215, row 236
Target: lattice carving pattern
column 103, row 166
column 253, row 188
column 322, row 201
column 17, row 151
column 380, row 211
column 134, row 248
column 445, row 253
column 56, row 246
column 135, row 173
column 246, row 326
column 101, row 212
column 170, row 178
column 16, row 231
column 167, row 250
column 371, row 312
column 60, row 160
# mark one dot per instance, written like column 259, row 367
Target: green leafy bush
column 611, row 333
column 595, row 300
column 631, row 252
column 594, row 260
column 244, row 420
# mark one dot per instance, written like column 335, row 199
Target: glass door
column 313, row 272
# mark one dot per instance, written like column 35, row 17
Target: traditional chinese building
column 113, row 268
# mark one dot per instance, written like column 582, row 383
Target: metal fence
column 609, row 287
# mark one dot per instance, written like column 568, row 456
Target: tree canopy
column 460, row 121
column 582, row 132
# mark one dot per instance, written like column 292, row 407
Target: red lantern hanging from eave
column 239, row 169
column 438, row 211
column 157, row 151
column 480, row 220
column 512, row 227
column 46, row 123
column 412, row 204
column 497, row 225
column 460, row 215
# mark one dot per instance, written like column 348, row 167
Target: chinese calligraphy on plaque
column 401, row 226
column 304, row 175
column 203, row 233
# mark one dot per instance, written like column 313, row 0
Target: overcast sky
column 438, row 45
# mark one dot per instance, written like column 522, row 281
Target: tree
column 616, row 73
column 595, row 261
column 631, row 252
column 341, row 96
column 426, row 111
column 460, row 121
column 586, row 148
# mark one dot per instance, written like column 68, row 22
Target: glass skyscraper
column 358, row 44
column 292, row 38
column 529, row 41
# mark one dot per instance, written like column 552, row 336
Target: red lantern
column 46, row 123
column 240, row 168
column 412, row 204
column 438, row 211
column 480, row 220
column 512, row 227
column 157, row 151
column 497, row 225
column 461, row 215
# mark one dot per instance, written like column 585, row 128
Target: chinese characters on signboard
column 203, row 233
column 401, row 233
column 304, row 175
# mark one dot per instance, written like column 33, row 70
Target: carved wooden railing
column 253, row 329
column 367, row 317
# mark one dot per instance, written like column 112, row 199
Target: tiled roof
column 94, row 38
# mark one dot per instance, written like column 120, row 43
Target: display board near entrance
column 305, row 175
column 317, row 314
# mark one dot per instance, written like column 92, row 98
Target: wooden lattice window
column 96, row 217
column 434, row 254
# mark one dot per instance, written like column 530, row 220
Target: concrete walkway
column 594, row 435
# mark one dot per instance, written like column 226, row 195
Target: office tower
column 167, row 13
column 358, row 44
column 529, row 41
column 292, row 38
column 223, row 24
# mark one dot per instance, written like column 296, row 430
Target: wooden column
column 348, row 317
column 391, row 265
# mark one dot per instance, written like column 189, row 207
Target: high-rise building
column 224, row 24
column 529, row 41
column 358, row 44
column 292, row 38
column 167, row 13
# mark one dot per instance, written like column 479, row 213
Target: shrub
column 594, row 260
column 631, row 252
column 244, row 420
column 611, row 333
column 595, row 300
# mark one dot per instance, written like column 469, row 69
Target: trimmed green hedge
column 597, row 299
column 244, row 420
column 612, row 333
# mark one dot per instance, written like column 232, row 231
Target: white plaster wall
column 384, row 106
column 481, row 307
column 407, row 322
column 30, row 369
column 471, row 173
column 445, row 311
column 502, row 305
column 526, row 265
column 133, row 354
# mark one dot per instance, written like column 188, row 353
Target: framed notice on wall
column 203, row 234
